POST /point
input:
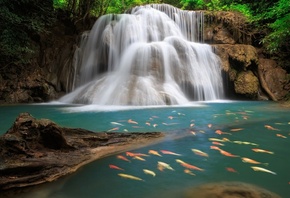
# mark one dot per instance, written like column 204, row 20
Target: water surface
column 243, row 124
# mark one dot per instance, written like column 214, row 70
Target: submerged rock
column 229, row 190
column 36, row 151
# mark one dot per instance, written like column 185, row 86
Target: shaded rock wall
column 248, row 73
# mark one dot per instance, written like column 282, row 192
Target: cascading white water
column 147, row 57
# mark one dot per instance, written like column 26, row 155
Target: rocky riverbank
column 37, row 151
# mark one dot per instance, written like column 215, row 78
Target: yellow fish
column 256, row 168
column 199, row 152
column 216, row 140
column 251, row 161
column 139, row 158
column 164, row 165
column 153, row 152
column 187, row 171
column 149, row 172
column 126, row 176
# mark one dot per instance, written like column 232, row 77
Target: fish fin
column 266, row 164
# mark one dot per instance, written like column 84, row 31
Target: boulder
column 229, row 190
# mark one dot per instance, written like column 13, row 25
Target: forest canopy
column 22, row 21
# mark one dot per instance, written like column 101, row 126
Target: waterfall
column 150, row 56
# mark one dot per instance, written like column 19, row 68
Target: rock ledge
column 37, row 151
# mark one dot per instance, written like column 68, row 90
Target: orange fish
column 115, row 167
column 121, row 157
column 132, row 121
column 189, row 166
column 215, row 148
column 280, row 135
column 262, row 151
column 219, row 132
column 230, row 169
column 169, row 152
column 225, row 153
column 251, row 161
column 236, row 129
column 270, row 127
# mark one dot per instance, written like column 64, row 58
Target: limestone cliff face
column 249, row 72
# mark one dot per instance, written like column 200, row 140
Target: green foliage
column 20, row 22
column 192, row 4
column 280, row 28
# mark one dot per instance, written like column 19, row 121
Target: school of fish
column 218, row 139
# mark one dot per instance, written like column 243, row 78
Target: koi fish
column 219, row 132
column 191, row 125
column 230, row 169
column 121, row 157
column 155, row 125
column 225, row 153
column 165, row 165
column 216, row 140
column 215, row 148
column 251, row 161
column 199, row 152
column 132, row 121
column 135, row 154
column 280, row 135
column 248, row 143
column 218, row 143
column 153, row 152
column 117, row 123
column 149, row 172
column 262, row 151
column 187, row 171
column 169, row 124
column 180, row 161
column 188, row 166
column 236, row 129
column 113, row 129
column 148, row 123
column 170, row 117
column 256, row 168
column 139, row 158
column 226, row 140
column 115, row 167
column 209, row 125
column 169, row 152
column 126, row 176
column 270, row 127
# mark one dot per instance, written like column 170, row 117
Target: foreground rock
column 229, row 190
column 37, row 151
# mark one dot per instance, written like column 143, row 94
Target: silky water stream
column 245, row 125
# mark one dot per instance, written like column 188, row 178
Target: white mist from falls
column 148, row 57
